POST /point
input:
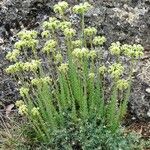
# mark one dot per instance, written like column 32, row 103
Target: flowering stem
column 125, row 99
column 83, row 26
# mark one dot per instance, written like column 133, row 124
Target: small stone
column 133, row 118
column 95, row 15
column 148, row 113
column 148, row 90
column 1, row 41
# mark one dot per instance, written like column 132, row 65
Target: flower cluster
column 49, row 46
column 80, row 53
column 116, row 70
column 76, row 43
column 91, row 76
column 102, row 70
column 41, row 81
column 17, row 67
column 45, row 34
column 52, row 24
column 27, row 35
column 65, row 24
column 23, row 110
column 19, row 103
column 133, row 51
column 122, row 84
column 82, row 8
column 58, row 58
column 92, row 54
column 63, row 68
column 27, row 40
column 35, row 111
column 69, row 32
column 60, row 7
column 12, row 56
column 90, row 32
column 31, row 66
column 24, row 91
column 99, row 40
column 115, row 48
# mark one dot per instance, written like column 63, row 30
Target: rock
column 123, row 20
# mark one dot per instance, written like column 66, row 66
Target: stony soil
column 127, row 21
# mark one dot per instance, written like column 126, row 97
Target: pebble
column 148, row 113
column 148, row 90
column 1, row 41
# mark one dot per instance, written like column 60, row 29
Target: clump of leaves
column 71, row 78
column 91, row 135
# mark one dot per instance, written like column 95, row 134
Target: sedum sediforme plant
column 63, row 80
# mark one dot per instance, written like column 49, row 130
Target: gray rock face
column 127, row 21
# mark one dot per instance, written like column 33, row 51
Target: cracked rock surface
column 127, row 21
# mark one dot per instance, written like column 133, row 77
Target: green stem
column 112, row 108
column 72, row 99
column 85, row 74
